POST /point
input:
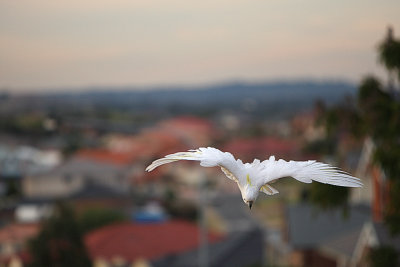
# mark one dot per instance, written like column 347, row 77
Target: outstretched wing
column 208, row 157
column 306, row 172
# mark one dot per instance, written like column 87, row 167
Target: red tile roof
column 105, row 155
column 160, row 142
column 23, row 256
column 189, row 121
column 18, row 233
column 195, row 131
column 150, row 241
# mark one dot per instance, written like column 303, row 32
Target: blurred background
column 91, row 92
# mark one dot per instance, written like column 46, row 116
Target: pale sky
column 79, row 43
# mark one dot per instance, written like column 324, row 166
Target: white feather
column 256, row 176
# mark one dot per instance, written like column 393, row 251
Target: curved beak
column 250, row 204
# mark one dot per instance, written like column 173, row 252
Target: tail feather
column 269, row 190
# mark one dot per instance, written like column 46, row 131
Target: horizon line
column 167, row 86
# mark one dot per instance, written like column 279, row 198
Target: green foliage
column 22, row 124
column 384, row 256
column 376, row 107
column 177, row 208
column 73, row 143
column 327, row 196
column 337, row 120
column 380, row 112
column 96, row 217
column 59, row 243
column 342, row 118
column 389, row 53
column 323, row 147
column 388, row 155
column 13, row 188
column 169, row 196
column 182, row 210
column 254, row 130
column 377, row 116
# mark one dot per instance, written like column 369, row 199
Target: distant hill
column 272, row 97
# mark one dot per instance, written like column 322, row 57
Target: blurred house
column 150, row 143
column 327, row 238
column 324, row 237
column 22, row 160
column 242, row 249
column 85, row 169
column 106, row 156
column 101, row 196
column 176, row 243
column 95, row 126
column 165, row 137
column 151, row 212
column 17, row 162
column 32, row 211
column 195, row 132
column 13, row 241
column 244, row 242
column 155, row 242
column 373, row 235
column 375, row 191
column 168, row 136
column 262, row 148
column 131, row 242
column 304, row 126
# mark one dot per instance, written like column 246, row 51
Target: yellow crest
column 248, row 179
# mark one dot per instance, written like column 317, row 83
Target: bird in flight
column 257, row 176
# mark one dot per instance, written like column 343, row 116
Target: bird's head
column 249, row 195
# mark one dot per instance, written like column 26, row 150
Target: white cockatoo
column 256, row 177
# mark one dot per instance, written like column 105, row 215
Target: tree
column 59, row 243
column 384, row 256
column 327, row 196
column 96, row 217
column 380, row 110
column 377, row 115
column 336, row 120
column 389, row 54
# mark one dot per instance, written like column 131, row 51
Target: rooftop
column 262, row 147
column 108, row 156
column 384, row 236
column 309, row 227
column 17, row 233
column 151, row 241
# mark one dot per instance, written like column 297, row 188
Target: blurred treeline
column 375, row 114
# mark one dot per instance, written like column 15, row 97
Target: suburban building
column 324, row 237
column 77, row 173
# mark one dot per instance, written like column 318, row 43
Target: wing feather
column 307, row 171
column 208, row 157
